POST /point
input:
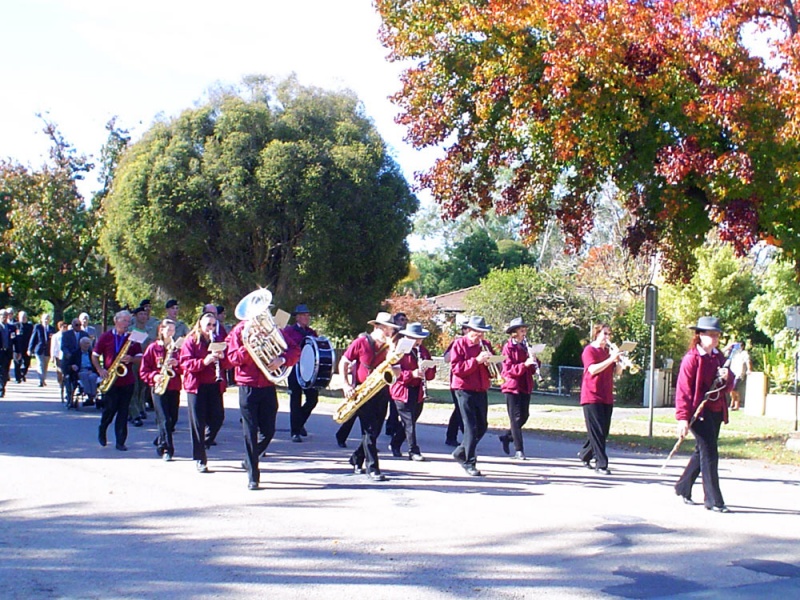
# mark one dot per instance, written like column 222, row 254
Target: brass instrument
column 167, row 372
column 624, row 360
column 117, row 368
column 380, row 377
column 495, row 369
column 261, row 337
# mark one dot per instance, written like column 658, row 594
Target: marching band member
column 393, row 425
column 364, row 354
column 519, row 367
column 700, row 366
column 600, row 364
column 470, row 380
column 167, row 404
column 204, row 387
column 408, row 391
column 258, row 399
column 455, row 423
column 117, row 400
column 298, row 412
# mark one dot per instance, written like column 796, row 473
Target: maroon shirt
column 297, row 334
column 695, row 378
column 361, row 351
column 598, row 388
column 246, row 370
column 466, row 373
column 151, row 366
column 405, row 380
column 195, row 371
column 517, row 376
column 108, row 345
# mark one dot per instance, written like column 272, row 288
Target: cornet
column 625, row 361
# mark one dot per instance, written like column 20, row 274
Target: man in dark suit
column 70, row 340
column 8, row 335
column 24, row 333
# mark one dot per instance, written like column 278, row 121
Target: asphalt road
column 83, row 521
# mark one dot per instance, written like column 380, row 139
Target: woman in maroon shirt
column 167, row 404
column 519, row 367
column 597, row 396
column 204, row 384
column 701, row 365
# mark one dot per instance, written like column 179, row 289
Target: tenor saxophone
column 117, row 368
column 166, row 372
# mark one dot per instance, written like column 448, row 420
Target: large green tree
column 276, row 185
column 539, row 104
column 51, row 247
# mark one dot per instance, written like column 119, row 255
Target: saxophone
column 117, row 368
column 261, row 337
column 166, row 372
column 380, row 377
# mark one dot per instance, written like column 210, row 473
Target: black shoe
column 202, row 467
column 252, row 485
column 416, row 456
column 719, row 509
column 688, row 500
column 137, row 422
column 303, row 432
column 101, row 437
column 211, row 443
column 506, row 444
column 375, row 476
column 357, row 469
column 89, row 402
column 603, row 470
column 296, row 438
column 395, row 452
column 453, row 443
column 243, row 465
column 341, row 444
column 122, row 447
column 460, row 455
column 472, row 471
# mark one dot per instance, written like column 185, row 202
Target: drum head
column 308, row 365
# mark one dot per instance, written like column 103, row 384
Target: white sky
column 84, row 61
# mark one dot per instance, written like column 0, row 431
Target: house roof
column 451, row 301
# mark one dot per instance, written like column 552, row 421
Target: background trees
column 291, row 189
column 541, row 104
column 50, row 240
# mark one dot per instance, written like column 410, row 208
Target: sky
column 82, row 62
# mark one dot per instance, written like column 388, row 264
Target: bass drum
column 317, row 359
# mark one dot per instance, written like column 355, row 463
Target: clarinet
column 539, row 378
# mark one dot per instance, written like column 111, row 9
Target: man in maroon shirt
column 116, row 401
column 364, row 354
column 469, row 357
column 258, row 400
column 600, row 364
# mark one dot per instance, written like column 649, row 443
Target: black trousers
column 408, row 413
column 217, row 418
column 166, row 407
column 598, row 423
column 456, row 423
column 204, row 409
column 5, row 365
column 705, row 460
column 344, row 430
column 116, row 403
column 21, row 367
column 474, row 407
column 519, row 409
column 371, row 416
column 299, row 412
column 259, row 408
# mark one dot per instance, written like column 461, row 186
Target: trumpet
column 625, row 361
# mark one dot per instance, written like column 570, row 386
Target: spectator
column 39, row 346
column 55, row 351
column 23, row 339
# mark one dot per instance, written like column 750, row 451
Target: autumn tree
column 51, row 235
column 540, row 105
column 273, row 185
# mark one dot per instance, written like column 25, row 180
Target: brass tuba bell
column 261, row 337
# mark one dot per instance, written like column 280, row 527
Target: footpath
column 81, row 521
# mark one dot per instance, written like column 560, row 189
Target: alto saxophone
column 380, row 377
column 166, row 372
column 117, row 368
